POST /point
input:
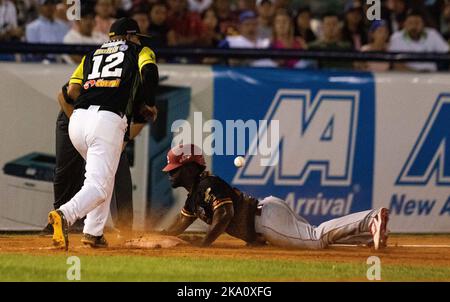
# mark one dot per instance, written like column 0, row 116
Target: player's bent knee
column 97, row 192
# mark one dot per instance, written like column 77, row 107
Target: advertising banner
column 328, row 143
column 325, row 148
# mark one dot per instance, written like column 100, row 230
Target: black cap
column 125, row 26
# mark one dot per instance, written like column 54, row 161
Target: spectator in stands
column 330, row 41
column 435, row 9
column 303, row 25
column 284, row 38
column 431, row 10
column 245, row 5
column 158, row 28
column 211, row 35
column 248, row 29
column 199, row 6
column 353, row 31
column 26, row 12
column 265, row 18
column 396, row 14
column 185, row 27
column 9, row 30
column 282, row 4
column 228, row 20
column 82, row 32
column 379, row 38
column 121, row 7
column 46, row 29
column 104, row 10
column 445, row 22
column 415, row 37
column 248, row 38
column 61, row 13
column 141, row 15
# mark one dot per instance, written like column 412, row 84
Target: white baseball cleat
column 378, row 228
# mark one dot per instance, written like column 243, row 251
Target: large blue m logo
column 308, row 140
column 431, row 152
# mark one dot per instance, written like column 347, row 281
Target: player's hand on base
column 194, row 240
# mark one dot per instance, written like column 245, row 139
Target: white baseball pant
column 98, row 137
column 280, row 226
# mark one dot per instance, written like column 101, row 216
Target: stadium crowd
column 405, row 25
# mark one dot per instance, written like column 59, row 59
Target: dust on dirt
column 228, row 247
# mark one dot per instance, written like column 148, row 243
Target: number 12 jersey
column 110, row 75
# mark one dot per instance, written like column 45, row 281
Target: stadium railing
column 42, row 49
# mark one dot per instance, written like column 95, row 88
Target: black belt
column 102, row 108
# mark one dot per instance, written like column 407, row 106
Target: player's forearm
column 221, row 219
column 180, row 225
column 67, row 108
column 73, row 91
column 135, row 129
column 150, row 80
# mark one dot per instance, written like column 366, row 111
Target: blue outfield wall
column 337, row 153
column 321, row 193
column 348, row 141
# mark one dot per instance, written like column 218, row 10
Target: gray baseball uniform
column 280, row 226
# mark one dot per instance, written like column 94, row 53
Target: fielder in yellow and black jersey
column 108, row 76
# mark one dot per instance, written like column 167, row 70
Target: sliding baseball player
column 226, row 209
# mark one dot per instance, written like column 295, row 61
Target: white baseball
column 239, row 161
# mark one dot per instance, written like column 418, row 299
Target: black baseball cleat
column 60, row 229
column 94, row 241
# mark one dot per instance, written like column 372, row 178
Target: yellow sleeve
column 77, row 76
column 146, row 56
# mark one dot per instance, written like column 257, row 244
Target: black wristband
column 66, row 96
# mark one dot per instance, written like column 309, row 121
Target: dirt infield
column 430, row 252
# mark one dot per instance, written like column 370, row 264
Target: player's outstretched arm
column 74, row 91
column 135, row 129
column 65, row 101
column 150, row 79
column 67, row 108
column 221, row 219
column 75, row 82
column 179, row 226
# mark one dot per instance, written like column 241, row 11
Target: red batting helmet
column 183, row 154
